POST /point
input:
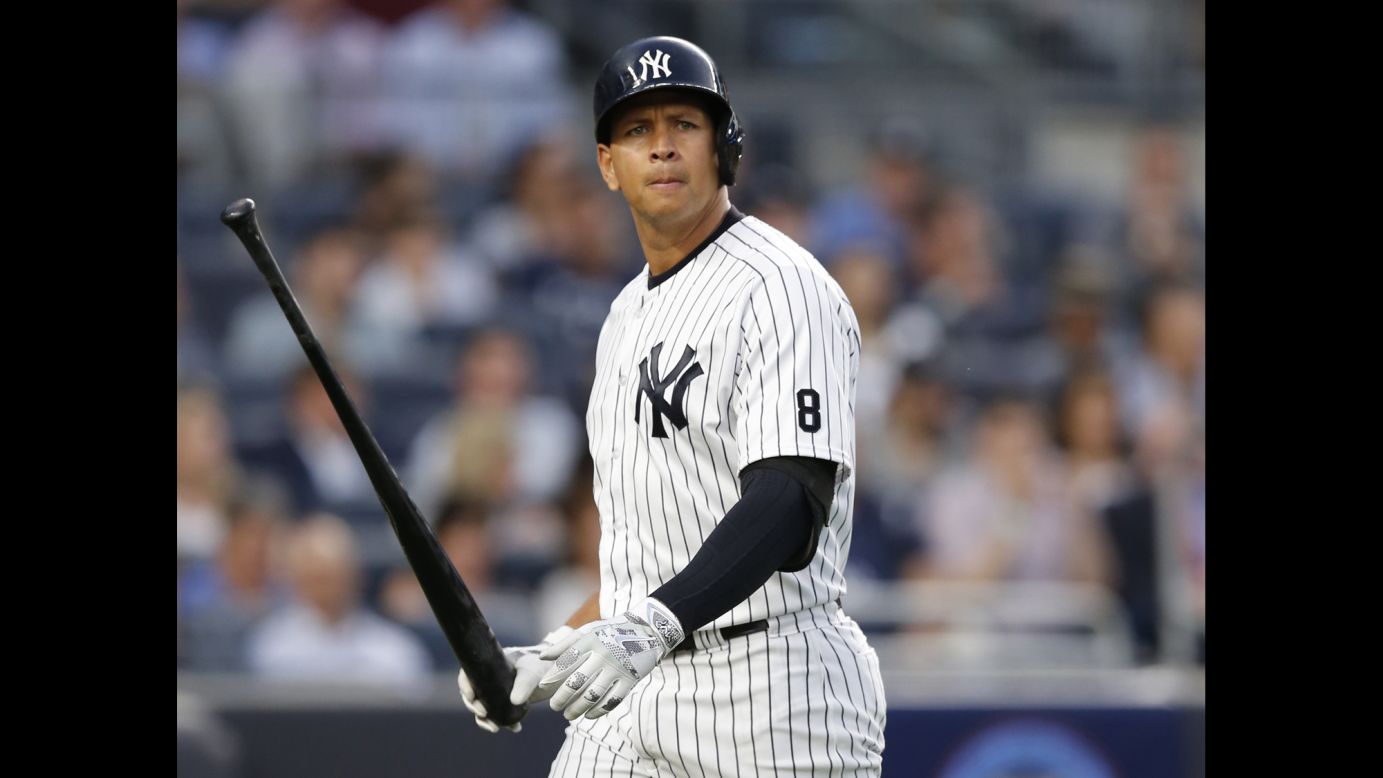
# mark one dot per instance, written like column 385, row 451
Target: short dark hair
column 1154, row 292
column 460, row 509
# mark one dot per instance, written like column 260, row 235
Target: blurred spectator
column 885, row 545
column 463, row 532
column 1188, row 519
column 468, row 82
column 220, row 601
column 526, row 532
column 207, row 153
column 992, row 329
column 1082, row 332
column 260, row 344
column 952, row 259
column 314, row 459
column 780, row 197
column 1171, row 367
column 1080, row 322
column 567, row 587
column 303, row 84
column 565, row 290
column 201, row 48
column 891, row 335
column 1007, row 513
column 899, row 459
column 206, row 472
column 1159, row 232
column 529, row 219
column 394, row 187
column 529, row 443
column 1082, row 35
column 1088, row 431
column 325, row 634
column 1044, row 226
column 196, row 356
column 901, row 177
column 424, row 282
column 908, row 450
column 1157, row 530
column 870, row 284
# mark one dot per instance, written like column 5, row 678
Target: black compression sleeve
column 818, row 475
column 763, row 533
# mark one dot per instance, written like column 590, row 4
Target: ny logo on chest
column 655, row 386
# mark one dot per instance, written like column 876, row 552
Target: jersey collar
column 731, row 217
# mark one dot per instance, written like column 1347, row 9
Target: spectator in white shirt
column 423, row 281
column 468, row 82
column 325, row 634
column 532, row 441
column 302, row 82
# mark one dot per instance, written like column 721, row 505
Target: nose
column 663, row 148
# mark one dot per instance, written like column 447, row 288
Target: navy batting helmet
column 670, row 63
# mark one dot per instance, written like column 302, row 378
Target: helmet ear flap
column 729, row 146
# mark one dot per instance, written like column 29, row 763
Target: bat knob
column 238, row 211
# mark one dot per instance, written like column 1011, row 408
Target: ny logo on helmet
column 659, row 63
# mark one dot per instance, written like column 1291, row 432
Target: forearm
column 767, row 531
column 588, row 612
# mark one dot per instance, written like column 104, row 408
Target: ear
column 606, row 161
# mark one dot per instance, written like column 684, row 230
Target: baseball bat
column 470, row 635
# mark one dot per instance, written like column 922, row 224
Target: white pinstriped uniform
column 750, row 350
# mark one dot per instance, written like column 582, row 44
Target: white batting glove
column 529, row 668
column 595, row 668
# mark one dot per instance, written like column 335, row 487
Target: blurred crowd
column 1031, row 404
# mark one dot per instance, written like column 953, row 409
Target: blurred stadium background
column 1010, row 191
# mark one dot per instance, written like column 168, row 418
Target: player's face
column 661, row 156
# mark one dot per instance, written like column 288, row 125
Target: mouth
column 664, row 183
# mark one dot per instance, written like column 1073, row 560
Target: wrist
column 660, row 618
column 556, row 635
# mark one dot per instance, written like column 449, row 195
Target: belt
column 737, row 630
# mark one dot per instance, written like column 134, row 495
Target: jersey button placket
column 639, row 311
column 623, row 380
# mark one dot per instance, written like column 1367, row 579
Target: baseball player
column 721, row 423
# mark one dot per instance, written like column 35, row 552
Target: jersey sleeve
column 794, row 393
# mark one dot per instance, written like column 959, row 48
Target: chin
column 664, row 208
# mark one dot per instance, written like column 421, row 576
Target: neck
column 1090, row 457
column 310, row 20
column 664, row 245
column 333, row 616
column 472, row 19
column 194, row 489
column 243, row 580
column 324, row 307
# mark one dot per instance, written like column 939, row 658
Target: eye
column 683, row 124
column 637, row 129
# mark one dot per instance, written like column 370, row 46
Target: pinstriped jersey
column 745, row 350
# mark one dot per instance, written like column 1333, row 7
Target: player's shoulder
column 775, row 255
column 768, row 249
